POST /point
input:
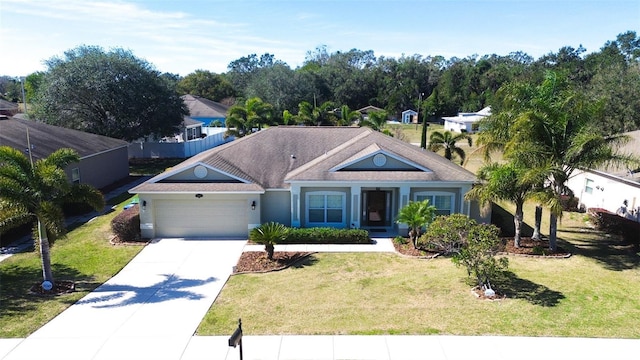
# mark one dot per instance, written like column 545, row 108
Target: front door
column 376, row 205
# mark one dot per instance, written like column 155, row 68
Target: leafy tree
column 36, row 192
column 448, row 141
column 447, row 234
column 478, row 256
column 208, row 85
column 269, row 234
column 113, row 94
column 32, row 84
column 242, row 71
column 416, row 215
column 511, row 182
column 242, row 120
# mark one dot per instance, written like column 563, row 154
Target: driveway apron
column 149, row 310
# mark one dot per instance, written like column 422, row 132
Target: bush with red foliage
column 126, row 225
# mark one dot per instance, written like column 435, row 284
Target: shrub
column 126, row 225
column 478, row 254
column 269, row 234
column 400, row 240
column 447, row 234
column 325, row 235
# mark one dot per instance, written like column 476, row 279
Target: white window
column 75, row 175
column 326, row 208
column 444, row 202
column 588, row 186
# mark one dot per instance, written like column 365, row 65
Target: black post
column 236, row 337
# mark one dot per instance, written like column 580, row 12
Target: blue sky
column 180, row 36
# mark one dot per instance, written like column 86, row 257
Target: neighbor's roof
column 45, row 138
column 469, row 116
column 200, row 107
column 8, row 105
column 631, row 148
column 275, row 157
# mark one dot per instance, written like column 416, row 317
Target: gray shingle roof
column 273, row 157
column 45, row 138
column 201, row 107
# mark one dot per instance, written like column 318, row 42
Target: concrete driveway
column 149, row 310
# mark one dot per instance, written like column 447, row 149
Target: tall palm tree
column 511, row 182
column 448, row 141
column 36, row 192
column 551, row 126
column 243, row 119
column 416, row 214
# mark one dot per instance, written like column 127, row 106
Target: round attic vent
column 200, row 171
column 379, row 160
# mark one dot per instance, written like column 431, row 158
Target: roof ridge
column 365, row 132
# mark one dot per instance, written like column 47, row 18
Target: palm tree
column 447, row 140
column 269, row 234
column 511, row 182
column 551, row 126
column 312, row 115
column 36, row 192
column 376, row 120
column 416, row 214
column 347, row 116
column 243, row 119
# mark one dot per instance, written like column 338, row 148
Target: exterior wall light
column 253, row 205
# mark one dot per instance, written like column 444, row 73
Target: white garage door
column 201, row 218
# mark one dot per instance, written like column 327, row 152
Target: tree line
column 116, row 94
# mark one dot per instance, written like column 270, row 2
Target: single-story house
column 103, row 160
column 608, row 188
column 465, row 122
column 344, row 177
column 409, row 117
column 205, row 110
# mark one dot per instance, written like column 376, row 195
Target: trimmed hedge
column 126, row 225
column 326, row 236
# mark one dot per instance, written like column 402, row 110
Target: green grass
column 139, row 167
column 84, row 256
column 591, row 294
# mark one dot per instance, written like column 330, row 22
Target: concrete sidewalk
column 399, row 347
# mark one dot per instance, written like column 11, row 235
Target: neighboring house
column 205, row 110
column 608, row 188
column 192, row 139
column 409, row 117
column 103, row 160
column 367, row 109
column 301, row 177
column 465, row 122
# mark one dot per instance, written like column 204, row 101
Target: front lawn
column 85, row 256
column 591, row 294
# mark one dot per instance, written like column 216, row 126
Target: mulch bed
column 528, row 247
column 257, row 261
column 59, row 287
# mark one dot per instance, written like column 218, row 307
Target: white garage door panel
column 201, row 218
